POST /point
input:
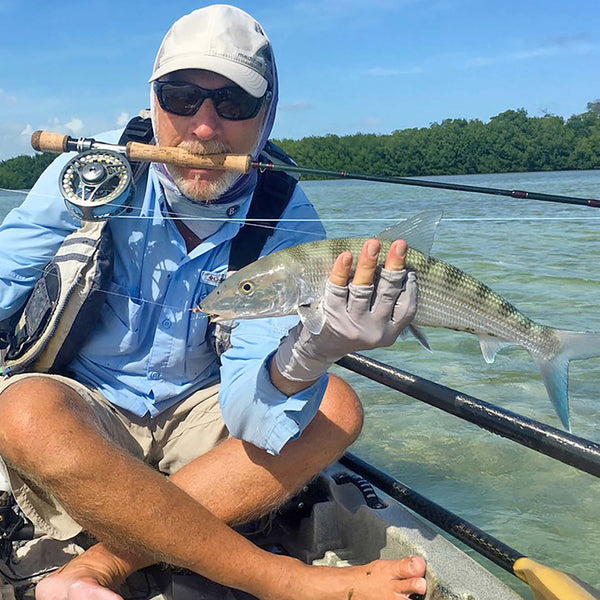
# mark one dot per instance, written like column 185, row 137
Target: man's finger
column 340, row 272
column 367, row 261
column 396, row 256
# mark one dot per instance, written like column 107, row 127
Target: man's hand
column 361, row 315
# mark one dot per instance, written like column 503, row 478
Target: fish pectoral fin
column 490, row 346
column 312, row 317
column 418, row 335
column 418, row 231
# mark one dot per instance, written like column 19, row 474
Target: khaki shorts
column 166, row 442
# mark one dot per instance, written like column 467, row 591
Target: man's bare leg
column 238, row 482
column 57, row 443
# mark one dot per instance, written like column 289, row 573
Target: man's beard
column 198, row 188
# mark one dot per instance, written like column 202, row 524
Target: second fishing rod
column 45, row 141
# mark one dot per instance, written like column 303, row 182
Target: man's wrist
column 285, row 384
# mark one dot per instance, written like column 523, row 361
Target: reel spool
column 97, row 185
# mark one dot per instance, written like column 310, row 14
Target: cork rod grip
column 44, row 141
column 240, row 163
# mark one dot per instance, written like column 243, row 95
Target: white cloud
column 372, row 122
column 337, row 9
column 7, row 98
column 299, row 105
column 75, row 125
column 352, row 15
column 558, row 47
column 479, row 61
column 14, row 139
column 123, row 119
column 394, row 72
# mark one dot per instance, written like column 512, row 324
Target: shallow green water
column 544, row 258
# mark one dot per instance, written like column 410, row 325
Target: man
column 91, row 450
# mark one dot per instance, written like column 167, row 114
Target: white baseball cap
column 222, row 39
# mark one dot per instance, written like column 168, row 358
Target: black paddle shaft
column 567, row 448
column 477, row 539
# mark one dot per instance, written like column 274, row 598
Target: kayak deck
column 338, row 519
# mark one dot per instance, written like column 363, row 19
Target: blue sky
column 345, row 65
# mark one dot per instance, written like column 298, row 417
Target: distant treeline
column 510, row 142
column 22, row 172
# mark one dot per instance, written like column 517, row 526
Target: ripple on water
column 547, row 268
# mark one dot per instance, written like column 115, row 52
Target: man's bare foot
column 378, row 580
column 87, row 578
column 83, row 578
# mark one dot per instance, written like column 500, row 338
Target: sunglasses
column 185, row 99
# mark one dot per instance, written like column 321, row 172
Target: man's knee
column 342, row 407
column 26, row 409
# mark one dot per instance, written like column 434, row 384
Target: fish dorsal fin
column 313, row 318
column 490, row 346
column 418, row 231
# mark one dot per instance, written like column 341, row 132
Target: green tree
column 23, row 171
column 510, row 141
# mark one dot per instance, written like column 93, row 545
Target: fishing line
column 126, row 296
column 259, row 222
column 262, row 223
column 520, row 218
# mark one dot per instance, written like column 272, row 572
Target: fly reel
column 97, row 185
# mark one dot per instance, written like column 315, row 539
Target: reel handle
column 137, row 152
column 45, row 141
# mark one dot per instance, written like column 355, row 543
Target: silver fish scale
column 448, row 297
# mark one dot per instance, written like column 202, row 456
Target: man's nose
column 206, row 123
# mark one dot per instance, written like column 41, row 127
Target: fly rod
column 562, row 446
column 45, row 141
column 519, row 194
column 545, row 582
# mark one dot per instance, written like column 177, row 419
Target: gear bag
column 64, row 304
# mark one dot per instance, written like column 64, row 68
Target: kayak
column 340, row 518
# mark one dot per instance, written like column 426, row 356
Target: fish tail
column 573, row 345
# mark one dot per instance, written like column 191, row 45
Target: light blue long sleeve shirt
column 148, row 349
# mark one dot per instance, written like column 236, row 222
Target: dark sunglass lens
column 236, row 104
column 185, row 100
column 180, row 99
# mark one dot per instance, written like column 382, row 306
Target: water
column 541, row 256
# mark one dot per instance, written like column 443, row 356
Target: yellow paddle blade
column 550, row 584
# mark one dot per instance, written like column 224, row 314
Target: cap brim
column 248, row 79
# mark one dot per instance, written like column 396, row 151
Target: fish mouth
column 211, row 316
column 215, row 318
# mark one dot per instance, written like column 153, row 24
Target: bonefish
column 293, row 281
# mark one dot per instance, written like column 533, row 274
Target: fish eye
column 246, row 287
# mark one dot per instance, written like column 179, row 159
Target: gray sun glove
column 357, row 317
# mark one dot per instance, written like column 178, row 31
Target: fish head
column 265, row 288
